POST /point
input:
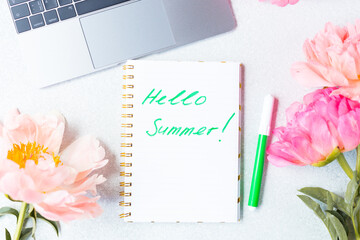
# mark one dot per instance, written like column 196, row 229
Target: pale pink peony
column 323, row 125
column 282, row 3
column 333, row 60
column 32, row 169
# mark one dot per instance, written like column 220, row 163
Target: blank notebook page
column 181, row 141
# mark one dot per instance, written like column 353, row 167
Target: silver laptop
column 64, row 39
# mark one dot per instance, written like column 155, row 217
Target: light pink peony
column 34, row 171
column 323, row 125
column 333, row 60
column 282, row 3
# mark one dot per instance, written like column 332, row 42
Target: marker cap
column 266, row 116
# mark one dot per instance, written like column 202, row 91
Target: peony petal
column 68, row 208
column 281, row 162
column 314, row 129
column 349, row 129
column 7, row 166
column 87, row 184
column 59, row 190
column 46, row 130
column 292, row 110
column 352, row 92
column 46, row 175
column 84, row 154
column 305, row 74
column 292, row 2
column 344, row 64
column 51, row 130
column 19, row 128
column 281, row 3
column 20, row 187
column 321, row 138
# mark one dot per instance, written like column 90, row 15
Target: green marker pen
column 264, row 132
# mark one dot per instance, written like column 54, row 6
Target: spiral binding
column 127, row 115
column 126, row 126
column 124, row 215
column 126, row 145
column 125, row 174
column 124, row 184
column 125, row 194
column 125, row 154
column 128, row 86
column 127, row 135
column 128, row 77
column 125, row 204
column 123, row 164
column 127, row 106
column 128, row 96
column 125, row 67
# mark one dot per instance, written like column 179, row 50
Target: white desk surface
column 268, row 40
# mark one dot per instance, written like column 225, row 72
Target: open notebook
column 181, row 141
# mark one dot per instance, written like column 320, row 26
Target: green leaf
column 33, row 216
column 31, row 208
column 352, row 191
column 341, row 219
column 7, row 210
column 346, row 217
column 322, row 195
column 337, row 215
column 7, row 235
column 348, row 222
column 313, row 206
column 329, row 202
column 54, row 224
column 331, row 228
column 340, row 230
column 25, row 233
column 318, row 211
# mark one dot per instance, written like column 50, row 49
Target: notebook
column 181, row 141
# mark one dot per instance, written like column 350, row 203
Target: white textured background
column 268, row 40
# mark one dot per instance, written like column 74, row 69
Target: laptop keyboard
column 33, row 14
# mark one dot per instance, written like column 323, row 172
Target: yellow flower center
column 30, row 151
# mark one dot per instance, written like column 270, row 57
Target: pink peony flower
column 34, row 171
column 333, row 60
column 282, row 3
column 317, row 130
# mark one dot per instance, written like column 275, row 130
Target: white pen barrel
column 266, row 116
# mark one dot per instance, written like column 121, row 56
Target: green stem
column 357, row 236
column 20, row 222
column 357, row 216
column 345, row 166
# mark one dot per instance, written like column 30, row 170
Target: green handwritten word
column 179, row 98
column 178, row 131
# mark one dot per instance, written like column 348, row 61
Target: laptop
column 65, row 39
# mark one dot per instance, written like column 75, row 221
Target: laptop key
column 50, row 4
column 64, row 2
column 22, row 25
column 66, row 12
column 14, row 2
column 51, row 17
column 36, row 6
column 93, row 5
column 37, row 21
column 20, row 11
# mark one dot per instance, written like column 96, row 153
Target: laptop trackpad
column 127, row 32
